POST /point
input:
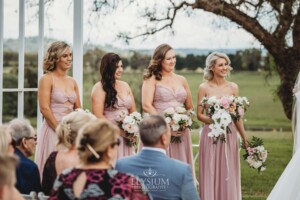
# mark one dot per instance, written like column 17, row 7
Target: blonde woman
column 67, row 131
column 219, row 163
column 6, row 141
column 58, row 95
column 95, row 178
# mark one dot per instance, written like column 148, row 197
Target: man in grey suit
column 164, row 177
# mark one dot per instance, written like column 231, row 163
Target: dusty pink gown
column 122, row 106
column 47, row 139
column 164, row 98
column 219, row 167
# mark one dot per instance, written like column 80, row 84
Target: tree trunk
column 288, row 69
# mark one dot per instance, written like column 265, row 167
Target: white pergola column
column 21, row 58
column 1, row 57
column 78, row 45
column 40, row 57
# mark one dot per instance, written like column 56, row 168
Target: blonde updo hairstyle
column 155, row 67
column 97, row 134
column 210, row 64
column 68, row 128
column 54, row 53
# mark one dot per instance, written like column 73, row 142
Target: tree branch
column 250, row 24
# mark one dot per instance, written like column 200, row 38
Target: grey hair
column 210, row 63
column 20, row 128
column 151, row 129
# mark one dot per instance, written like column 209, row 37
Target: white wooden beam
column 21, row 58
column 78, row 45
column 1, row 57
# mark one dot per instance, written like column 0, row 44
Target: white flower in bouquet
column 256, row 154
column 129, row 120
column 212, row 100
column 168, row 120
column 130, row 125
column 175, row 127
column 169, row 111
column 263, row 169
column 257, row 164
column 176, row 118
column 180, row 110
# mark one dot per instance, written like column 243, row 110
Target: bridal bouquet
column 178, row 119
column 130, row 125
column 256, row 154
column 223, row 111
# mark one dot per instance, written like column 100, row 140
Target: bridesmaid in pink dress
column 112, row 98
column 58, row 95
column 162, row 89
column 219, row 163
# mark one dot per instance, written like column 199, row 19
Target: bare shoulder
column 46, row 79
column 234, row 87
column 203, row 86
column 97, row 88
column 150, row 80
column 181, row 78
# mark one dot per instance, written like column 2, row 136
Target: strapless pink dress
column 164, row 98
column 112, row 115
column 47, row 138
column 219, row 167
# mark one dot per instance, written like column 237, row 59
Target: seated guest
column 8, row 165
column 6, row 142
column 95, row 178
column 165, row 178
column 68, row 156
column 28, row 176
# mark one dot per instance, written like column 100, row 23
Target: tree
column 281, row 37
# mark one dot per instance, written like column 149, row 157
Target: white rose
column 263, row 169
column 175, row 127
column 169, row 111
column 176, row 118
column 168, row 120
column 257, row 164
column 180, row 110
column 212, row 100
column 129, row 120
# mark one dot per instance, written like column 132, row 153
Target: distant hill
column 31, row 45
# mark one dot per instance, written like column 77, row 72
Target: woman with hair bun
column 58, row 95
column 95, row 178
column 66, row 157
column 113, row 98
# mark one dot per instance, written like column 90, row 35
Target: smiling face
column 221, row 68
column 169, row 61
column 119, row 70
column 65, row 61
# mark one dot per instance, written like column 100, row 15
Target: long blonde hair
column 4, row 134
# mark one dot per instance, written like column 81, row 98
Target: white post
column 40, row 57
column 21, row 58
column 1, row 58
column 78, row 45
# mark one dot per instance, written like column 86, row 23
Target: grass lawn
column 256, row 186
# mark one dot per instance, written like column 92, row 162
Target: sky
column 201, row 30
